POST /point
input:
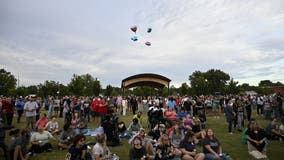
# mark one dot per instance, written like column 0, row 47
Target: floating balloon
column 134, row 38
column 134, row 29
column 148, row 43
column 149, row 30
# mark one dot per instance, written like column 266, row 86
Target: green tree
column 232, row 87
column 7, row 82
column 52, row 88
column 108, row 90
column 97, row 87
column 265, row 83
column 217, row 80
column 278, row 84
column 84, row 85
column 33, row 89
column 20, row 91
column 199, row 83
column 183, row 89
column 88, row 83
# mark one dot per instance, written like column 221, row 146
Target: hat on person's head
column 20, row 97
column 162, row 125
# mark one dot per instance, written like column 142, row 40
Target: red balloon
column 134, row 28
column 148, row 43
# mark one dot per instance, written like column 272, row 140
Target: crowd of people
column 175, row 124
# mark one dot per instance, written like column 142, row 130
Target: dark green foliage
column 7, row 82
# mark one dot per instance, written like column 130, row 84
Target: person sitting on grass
column 256, row 141
column 14, row 134
column 52, row 126
column 211, row 146
column 21, row 150
column 40, row 141
column 197, row 129
column 66, row 137
column 100, row 149
column 138, row 151
column 82, row 125
column 165, row 150
column 188, row 122
column 134, row 126
column 182, row 113
column 146, row 142
column 170, row 115
column 122, row 130
column 177, row 134
column 272, row 132
column 187, row 148
column 79, row 150
column 138, row 115
column 157, row 131
column 42, row 121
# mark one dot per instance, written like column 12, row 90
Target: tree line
column 213, row 81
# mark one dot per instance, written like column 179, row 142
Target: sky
column 52, row 40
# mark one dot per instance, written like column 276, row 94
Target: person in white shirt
column 52, row 126
column 30, row 111
column 100, row 149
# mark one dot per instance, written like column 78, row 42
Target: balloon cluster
column 135, row 38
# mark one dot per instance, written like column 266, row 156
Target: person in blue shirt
column 20, row 108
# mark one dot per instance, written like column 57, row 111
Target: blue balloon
column 134, row 38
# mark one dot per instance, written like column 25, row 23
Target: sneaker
column 231, row 132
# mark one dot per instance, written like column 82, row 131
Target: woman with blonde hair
column 100, row 149
column 165, row 150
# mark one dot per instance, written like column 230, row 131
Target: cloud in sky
column 52, row 40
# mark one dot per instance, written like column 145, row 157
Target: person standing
column 20, row 108
column 230, row 114
column 8, row 109
column 124, row 106
column 279, row 100
column 247, row 102
column 30, row 109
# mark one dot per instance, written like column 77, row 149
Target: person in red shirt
column 102, row 110
column 42, row 121
column 95, row 113
column 171, row 114
column 8, row 110
column 179, row 104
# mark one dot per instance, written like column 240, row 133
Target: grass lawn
column 230, row 143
